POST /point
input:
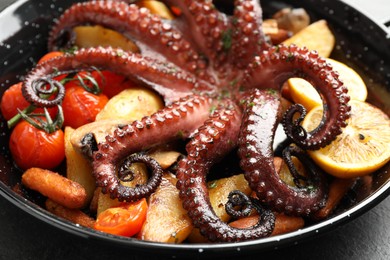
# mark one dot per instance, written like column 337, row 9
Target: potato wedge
column 276, row 34
column 131, row 104
column 317, row 36
column 165, row 158
column 99, row 130
column 166, row 220
column 218, row 192
column 158, row 8
column 284, row 172
column 78, row 168
column 94, row 36
column 220, row 189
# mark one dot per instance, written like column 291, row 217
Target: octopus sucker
column 220, row 78
column 247, row 32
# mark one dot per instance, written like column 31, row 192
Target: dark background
column 24, row 237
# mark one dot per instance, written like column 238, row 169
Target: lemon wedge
column 362, row 147
column 303, row 92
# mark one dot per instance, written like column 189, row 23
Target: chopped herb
column 311, row 188
column 212, row 109
column 180, row 134
column 251, row 104
column 212, row 184
column 233, row 82
column 227, row 39
column 290, row 57
column 225, row 94
column 71, row 50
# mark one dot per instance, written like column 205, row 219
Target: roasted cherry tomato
column 49, row 56
column 32, row 147
column 125, row 220
column 109, row 83
column 80, row 106
column 13, row 100
column 112, row 83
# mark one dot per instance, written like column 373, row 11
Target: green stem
column 13, row 121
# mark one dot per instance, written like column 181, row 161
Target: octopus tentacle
column 261, row 113
column 245, row 206
column 153, row 36
column 166, row 79
column 275, row 65
column 248, row 38
column 140, row 191
column 173, row 122
column 215, row 138
column 208, row 27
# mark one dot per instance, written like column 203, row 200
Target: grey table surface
column 367, row 237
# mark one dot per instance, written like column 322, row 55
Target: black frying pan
column 361, row 43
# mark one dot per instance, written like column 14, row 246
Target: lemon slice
column 362, row 147
column 357, row 89
column 303, row 92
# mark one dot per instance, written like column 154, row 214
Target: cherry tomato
column 49, row 56
column 109, row 83
column 13, row 99
column 32, row 147
column 80, row 106
column 112, row 83
column 125, row 220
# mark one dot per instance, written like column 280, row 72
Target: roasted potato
column 317, row 36
column 166, row 220
column 158, row 8
column 218, row 192
column 131, row 104
column 78, row 168
column 94, row 36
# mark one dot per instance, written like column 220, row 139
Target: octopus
column 220, row 78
